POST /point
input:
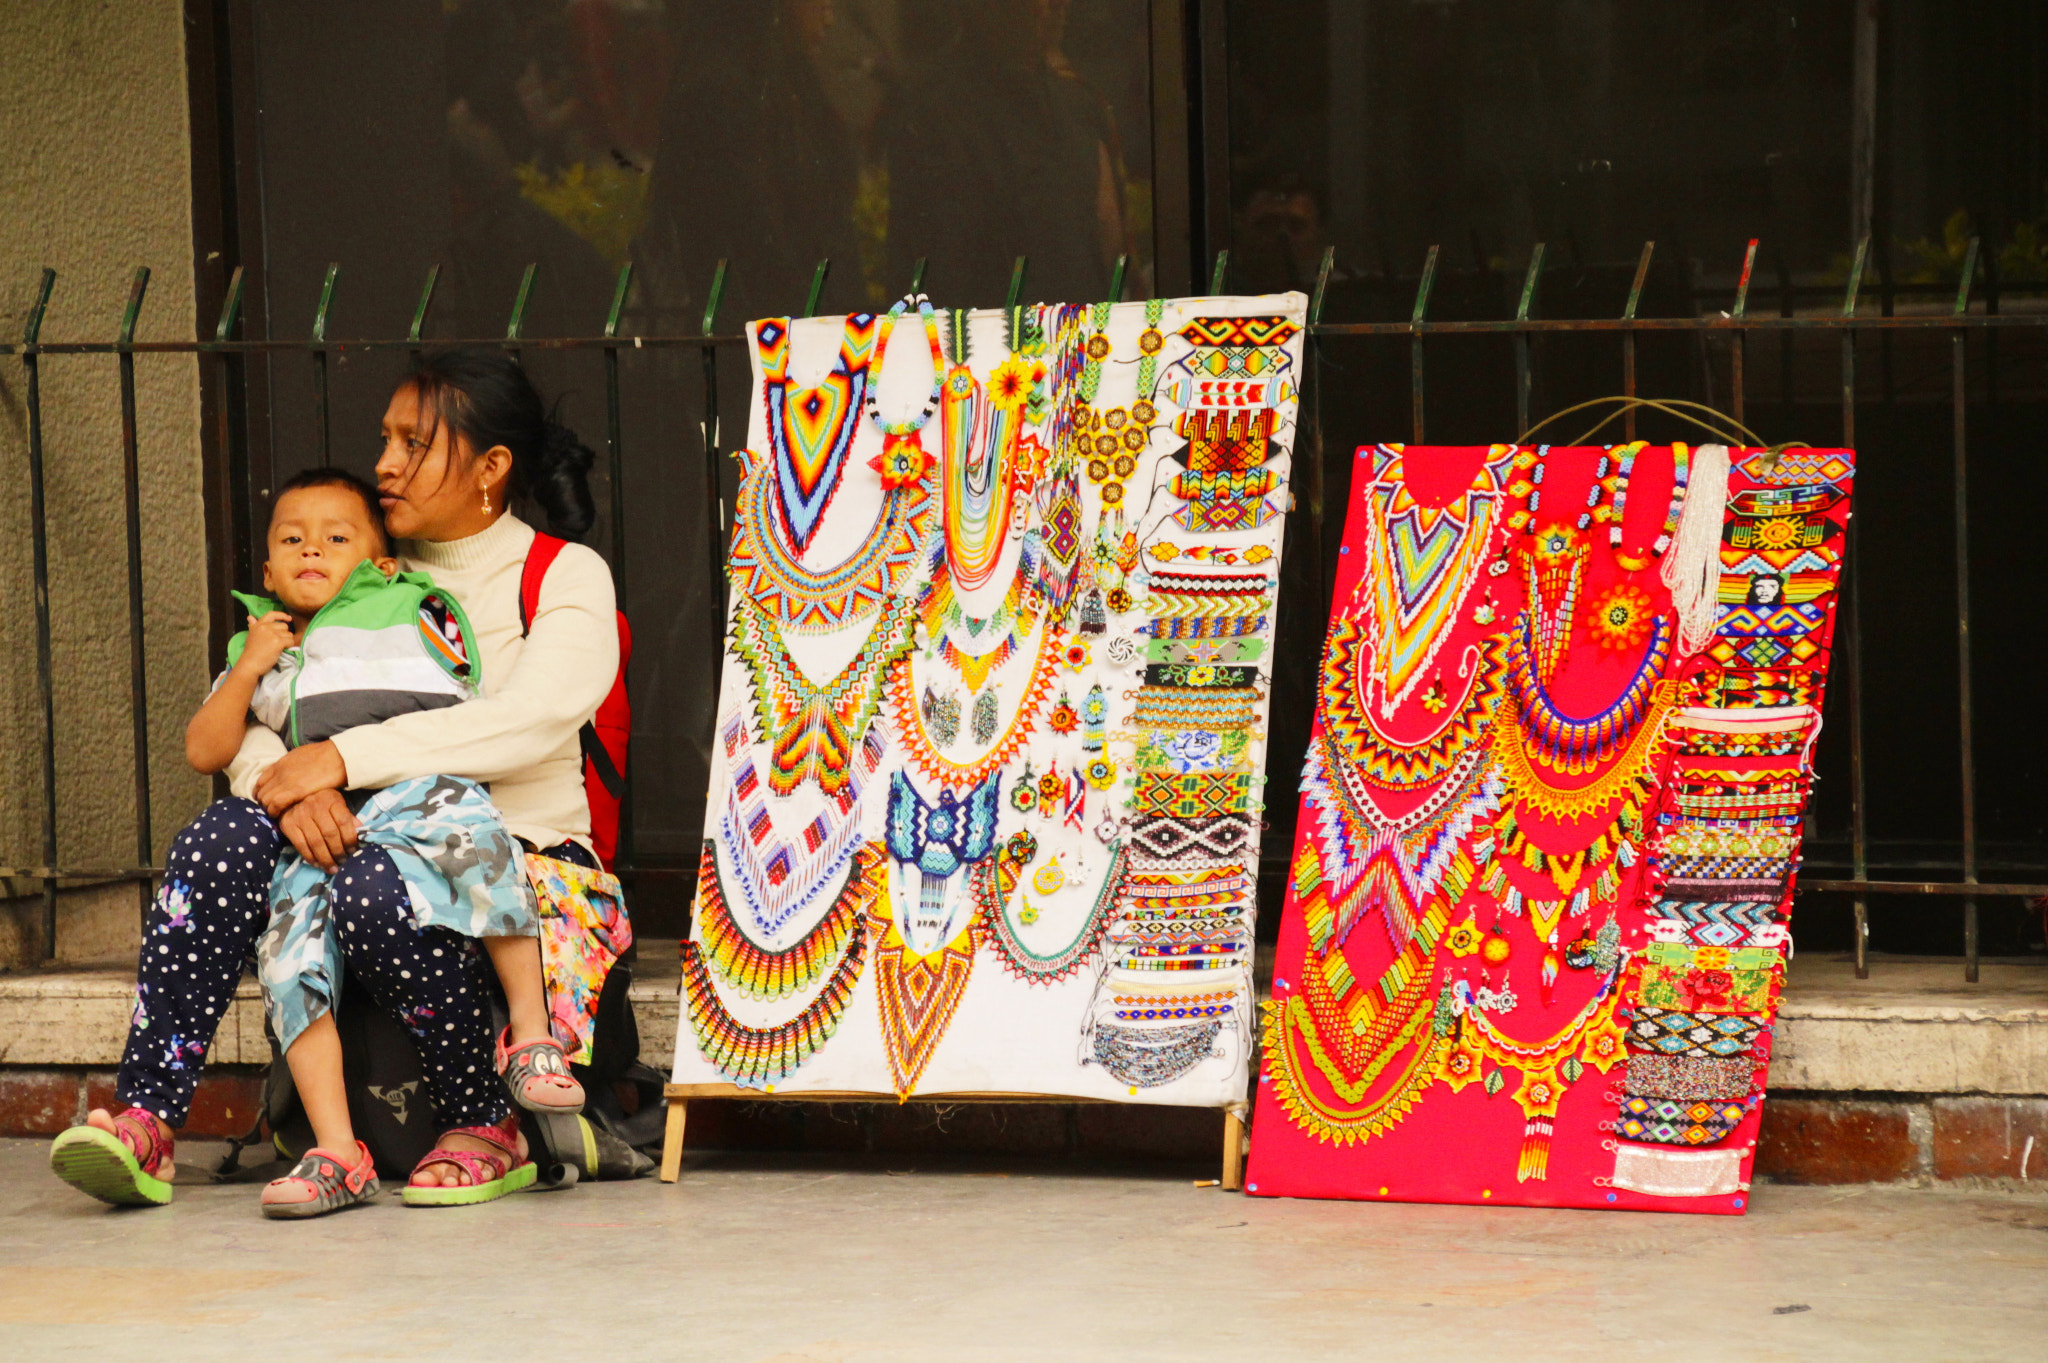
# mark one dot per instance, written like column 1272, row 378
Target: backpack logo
column 398, row 1096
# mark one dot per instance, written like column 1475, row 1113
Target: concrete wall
column 96, row 169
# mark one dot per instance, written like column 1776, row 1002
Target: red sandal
column 127, row 1166
column 321, row 1183
column 491, row 1175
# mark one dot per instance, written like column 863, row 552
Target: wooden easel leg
column 1233, row 1152
column 672, row 1140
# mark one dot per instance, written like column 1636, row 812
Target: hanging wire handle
column 1728, row 429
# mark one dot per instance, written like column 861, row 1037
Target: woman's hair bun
column 561, row 484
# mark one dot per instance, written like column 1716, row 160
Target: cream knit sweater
column 520, row 736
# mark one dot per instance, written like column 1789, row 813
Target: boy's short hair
column 342, row 478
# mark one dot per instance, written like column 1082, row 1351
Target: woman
column 464, row 436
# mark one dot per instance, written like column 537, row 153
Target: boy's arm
column 214, row 736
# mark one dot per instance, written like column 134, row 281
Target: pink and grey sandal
column 320, row 1183
column 538, row 1075
column 121, row 1166
column 491, row 1176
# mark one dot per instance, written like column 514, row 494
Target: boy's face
column 317, row 537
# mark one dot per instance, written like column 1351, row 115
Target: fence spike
column 1529, row 283
column 230, row 307
column 715, row 297
column 1315, row 300
column 1116, row 278
column 1742, row 284
column 1422, row 289
column 419, row 312
column 817, row 287
column 326, row 302
column 1016, row 293
column 1222, row 268
column 611, row 320
column 133, row 311
column 1856, row 276
column 518, row 320
column 1969, row 273
column 917, row 276
column 1635, row 290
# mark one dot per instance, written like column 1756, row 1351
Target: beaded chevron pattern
column 810, row 430
column 1421, row 563
column 764, row 1055
column 767, row 574
column 745, row 966
column 779, row 876
column 1348, row 681
column 813, row 731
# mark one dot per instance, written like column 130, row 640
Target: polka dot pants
column 213, row 905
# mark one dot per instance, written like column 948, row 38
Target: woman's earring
column 487, row 501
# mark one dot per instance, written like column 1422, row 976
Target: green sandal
column 491, row 1176
column 116, row 1168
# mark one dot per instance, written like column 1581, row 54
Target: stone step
column 1909, row 1075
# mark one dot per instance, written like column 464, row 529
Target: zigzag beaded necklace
column 810, row 429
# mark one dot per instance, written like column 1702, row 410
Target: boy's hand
column 269, row 636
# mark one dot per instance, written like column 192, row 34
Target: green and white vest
column 382, row 647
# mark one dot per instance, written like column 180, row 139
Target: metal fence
column 231, row 508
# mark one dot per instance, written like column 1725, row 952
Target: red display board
column 1535, row 926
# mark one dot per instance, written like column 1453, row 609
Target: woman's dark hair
column 487, row 399
column 341, row 478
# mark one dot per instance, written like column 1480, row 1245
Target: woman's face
column 431, row 484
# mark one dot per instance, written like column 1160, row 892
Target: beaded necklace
column 768, row 573
column 810, row 429
column 762, row 1055
column 813, row 730
column 900, row 692
column 740, row 963
column 1568, row 742
column 1421, row 564
column 995, row 882
column 1681, row 475
column 1107, row 442
column 982, row 474
column 778, row 876
column 897, row 432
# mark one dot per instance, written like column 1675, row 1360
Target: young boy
column 345, row 639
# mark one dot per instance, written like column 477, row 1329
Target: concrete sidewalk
column 796, row 1259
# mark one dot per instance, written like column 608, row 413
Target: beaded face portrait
column 984, row 809
column 1535, row 927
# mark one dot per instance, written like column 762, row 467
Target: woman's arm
column 566, row 669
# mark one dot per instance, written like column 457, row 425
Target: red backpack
column 604, row 738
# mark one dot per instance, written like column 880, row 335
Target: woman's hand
column 300, row 773
column 321, row 827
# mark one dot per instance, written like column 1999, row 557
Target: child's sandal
column 538, row 1075
column 491, row 1175
column 121, row 1166
column 320, row 1183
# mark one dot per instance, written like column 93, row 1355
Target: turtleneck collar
column 505, row 539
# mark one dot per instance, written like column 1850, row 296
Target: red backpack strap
column 539, row 558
